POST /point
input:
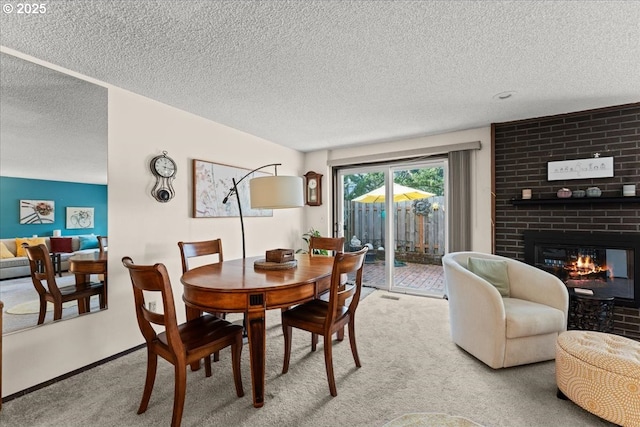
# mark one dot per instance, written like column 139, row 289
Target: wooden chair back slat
column 331, row 244
column 154, row 278
column 196, row 249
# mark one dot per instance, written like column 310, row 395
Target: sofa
column 502, row 311
column 12, row 265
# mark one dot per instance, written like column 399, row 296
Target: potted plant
column 307, row 238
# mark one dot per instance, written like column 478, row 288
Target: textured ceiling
column 319, row 74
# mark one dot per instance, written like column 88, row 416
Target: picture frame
column 595, row 167
column 211, row 184
column 80, row 217
column 37, row 211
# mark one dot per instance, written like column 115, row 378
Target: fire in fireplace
column 605, row 263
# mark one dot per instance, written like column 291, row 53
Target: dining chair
column 199, row 249
column 103, row 243
column 179, row 344
column 319, row 245
column 333, row 244
column 327, row 317
column 43, row 276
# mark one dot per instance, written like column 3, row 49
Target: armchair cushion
column 493, row 271
column 526, row 318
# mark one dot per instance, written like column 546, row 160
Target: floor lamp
column 268, row 192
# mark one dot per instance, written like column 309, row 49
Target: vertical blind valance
column 405, row 154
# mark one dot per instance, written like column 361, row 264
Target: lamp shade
column 276, row 192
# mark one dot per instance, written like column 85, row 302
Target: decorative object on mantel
column 579, row 193
column 564, row 193
column 268, row 192
column 598, row 167
column 593, row 192
column 629, row 190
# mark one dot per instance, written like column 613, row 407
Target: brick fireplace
column 522, row 150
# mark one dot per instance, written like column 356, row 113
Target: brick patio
column 419, row 277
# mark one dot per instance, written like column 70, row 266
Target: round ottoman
column 600, row 372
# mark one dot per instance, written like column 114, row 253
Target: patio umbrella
column 400, row 194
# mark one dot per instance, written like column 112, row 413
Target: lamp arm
column 233, row 190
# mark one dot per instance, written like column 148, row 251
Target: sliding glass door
column 398, row 211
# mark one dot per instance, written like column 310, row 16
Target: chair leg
column 236, row 353
column 328, row 361
column 43, row 311
column 57, row 311
column 314, row 341
column 340, row 334
column 287, row 347
column 179, row 393
column 207, row 366
column 152, row 364
column 352, row 341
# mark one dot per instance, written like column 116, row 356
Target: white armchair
column 505, row 331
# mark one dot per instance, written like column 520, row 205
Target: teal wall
column 63, row 194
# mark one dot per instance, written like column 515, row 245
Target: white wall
column 148, row 231
column 320, row 217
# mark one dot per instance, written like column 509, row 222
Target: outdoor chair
column 327, row 317
column 179, row 344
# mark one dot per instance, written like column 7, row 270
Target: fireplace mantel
column 574, row 200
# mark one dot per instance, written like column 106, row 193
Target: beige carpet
column 409, row 365
column 427, row 419
column 33, row 307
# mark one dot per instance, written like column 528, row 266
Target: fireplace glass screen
column 608, row 270
column 605, row 263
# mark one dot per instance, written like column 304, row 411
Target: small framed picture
column 597, row 167
column 37, row 211
column 79, row 217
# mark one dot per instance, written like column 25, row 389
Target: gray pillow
column 493, row 271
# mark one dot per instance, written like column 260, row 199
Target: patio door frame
column 388, row 169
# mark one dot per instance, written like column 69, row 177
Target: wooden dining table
column 237, row 286
column 83, row 265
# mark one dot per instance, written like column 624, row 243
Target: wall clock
column 164, row 169
column 313, row 191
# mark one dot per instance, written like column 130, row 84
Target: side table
column 590, row 312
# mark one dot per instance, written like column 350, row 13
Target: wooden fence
column 418, row 228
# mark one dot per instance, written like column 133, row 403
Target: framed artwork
column 212, row 182
column 37, row 211
column 80, row 217
column 596, row 167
